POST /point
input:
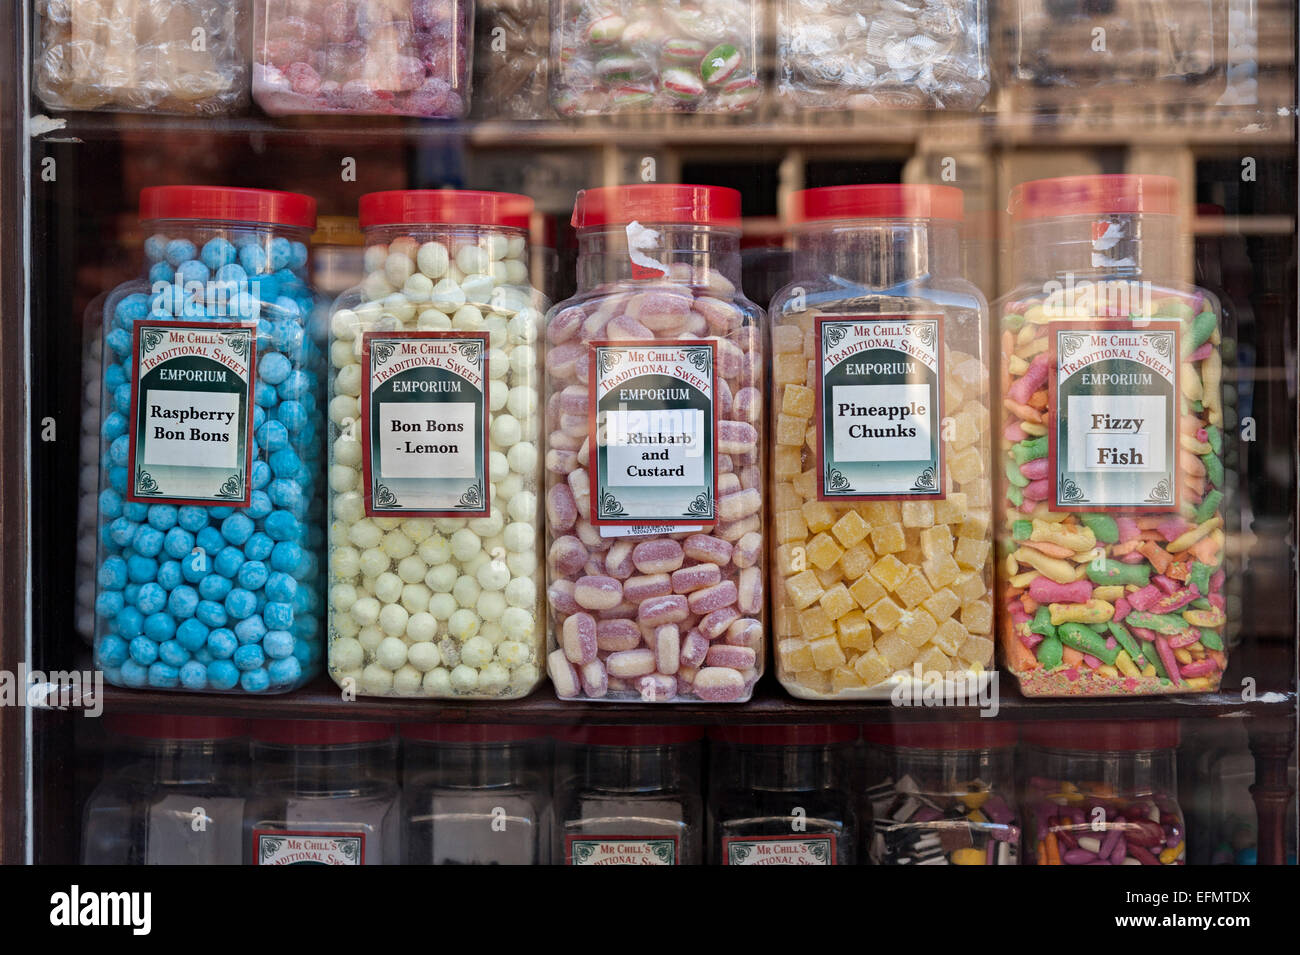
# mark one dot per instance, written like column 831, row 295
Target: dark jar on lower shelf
column 628, row 795
column 781, row 795
column 475, row 795
column 324, row 793
column 173, row 794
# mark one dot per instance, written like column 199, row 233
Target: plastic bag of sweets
column 435, row 452
column 399, row 57
column 880, row 447
column 892, row 53
column 510, row 61
column 1102, row 793
column 186, row 56
column 654, row 56
column 654, row 461
column 1111, row 528
column 943, row 793
column 209, row 569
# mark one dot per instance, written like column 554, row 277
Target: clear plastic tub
column 476, row 794
column 632, row 56
column 435, row 453
column 369, row 57
column 210, row 512
column 183, row 56
column 654, row 462
column 324, row 793
column 782, row 795
column 1102, row 793
column 1111, row 526
column 628, row 795
column 880, row 448
column 511, row 66
column 943, row 793
column 883, row 53
column 174, row 794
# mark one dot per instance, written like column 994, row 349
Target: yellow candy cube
column 791, row 559
column 965, row 466
column 977, row 650
column 888, row 571
column 787, row 463
column 784, row 497
column 785, row 623
column 815, row 622
column 850, row 529
column 823, row 551
column 829, row 576
column 789, row 368
column 950, row 636
column 837, row 601
column 882, row 512
column 888, row 538
column 934, row 660
column 818, row 515
column 873, row 669
column 977, row 616
column 941, row 604
column 803, row 589
column 793, row 655
column 844, row 678
column 966, row 429
column 971, row 552
column 814, row 681
column 827, row 653
column 916, row 627
column 810, row 438
column 806, row 485
column 941, row 569
column 790, row 526
column 976, row 525
column 857, row 560
column 884, row 614
column 969, row 586
column 918, row 514
column 866, row 590
column 951, row 510
column 855, row 631
column 895, row 651
column 913, row 588
column 789, row 430
column 936, row 540
column 787, row 338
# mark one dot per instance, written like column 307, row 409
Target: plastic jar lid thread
column 981, row 735
column 151, row 726
column 831, row 203
column 785, row 735
column 225, row 204
column 319, row 732
column 468, row 207
column 657, row 204
column 1094, row 195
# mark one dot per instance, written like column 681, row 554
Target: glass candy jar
column 654, row 462
column 1111, row 523
column 175, row 794
column 880, row 447
column 324, row 793
column 210, row 516
column 435, row 452
column 1103, row 793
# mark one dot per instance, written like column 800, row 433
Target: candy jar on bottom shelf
column 880, row 448
column 363, row 57
column 210, row 522
column 654, row 462
column 781, row 795
column 435, row 453
column 1102, row 793
column 324, row 793
column 654, row 56
column 855, row 54
column 1112, row 479
column 476, row 794
column 628, row 795
column 167, row 770
column 942, row 794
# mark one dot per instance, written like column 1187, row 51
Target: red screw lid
column 785, row 735
column 629, row 735
column 471, row 732
column 319, row 732
column 228, row 205
column 444, row 207
column 877, row 202
column 652, row 203
column 1094, row 195
column 976, row 734
column 1099, row 736
column 156, row 726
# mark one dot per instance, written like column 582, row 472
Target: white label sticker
column 308, row 848
column 195, row 428
column 409, row 433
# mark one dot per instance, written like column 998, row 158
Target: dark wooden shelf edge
column 321, row 700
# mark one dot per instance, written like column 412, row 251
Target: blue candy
column 191, row 271
column 218, row 253
column 222, row 644
column 222, row 675
column 212, row 613
column 134, row 674
column 178, row 543
column 259, row 547
column 161, row 675
column 254, row 681
column 228, row 560
column 192, row 519
column 273, row 368
column 250, row 630
column 194, row 675
column 253, row 259
column 147, row 541
column 109, row 603
column 214, row 587
column 178, row 250
column 155, row 247
column 170, row 575
column 253, row 575
column 111, row 651
column 112, row 573
column 130, row 622
column 159, row 627
column 249, row 657
column 278, row 616
column 192, row 634
column 281, row 587
column 173, row 654
column 278, row 644
column 152, row 598
column 162, row 516
column 284, row 672
column 143, row 651
column 240, row 603
column 140, row 570
column 273, row 436
column 182, row 602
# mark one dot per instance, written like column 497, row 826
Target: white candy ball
column 493, row 679
column 442, row 578
column 521, row 592
column 388, row 588
column 407, row 681
column 424, row 656
column 437, row 682
column 349, row 508
column 442, row 606
column 464, row 679
column 434, row 550
column 505, row 430
column 447, row 296
column 422, row 627
column 476, row 652
column 463, row 624
column 433, row 259
column 467, row 318
column 517, row 623
column 365, row 611
column 522, row 401
column 342, row 478
column 522, row 564
column 490, row 606
column 347, row 451
column 397, row 268
column 432, row 320
column 498, row 393
column 391, row 653
column 397, row 545
column 411, row 569
column 415, row 598
column 376, row 681
column 392, row 619
column 374, row 257
column 523, row 457
column 418, row 288
column 466, row 590
column 522, row 506
column 373, row 562
column 464, row 544
column 345, row 562
column 346, row 653
column 494, row 575
column 343, row 596
column 471, row 259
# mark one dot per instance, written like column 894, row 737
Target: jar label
column 880, row 407
column 620, row 850
column 779, row 850
column 192, row 413
column 653, row 425
column 1115, row 395
column 425, row 424
column 292, row 847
